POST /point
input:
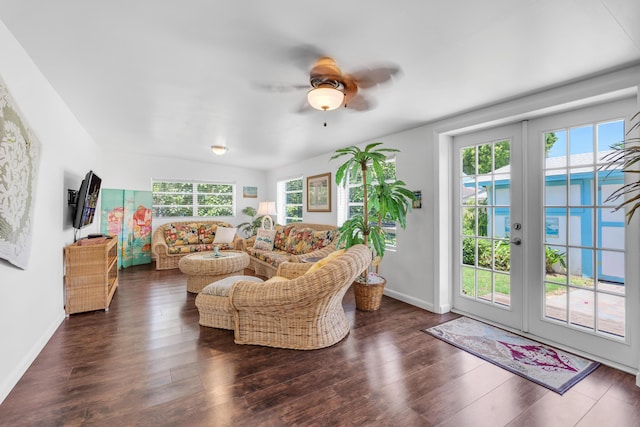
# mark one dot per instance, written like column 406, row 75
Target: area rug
column 551, row 368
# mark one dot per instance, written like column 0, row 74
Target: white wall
column 136, row 172
column 411, row 277
column 31, row 300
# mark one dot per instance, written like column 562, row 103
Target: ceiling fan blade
column 359, row 103
column 279, row 87
column 304, row 108
column 305, row 56
column 371, row 77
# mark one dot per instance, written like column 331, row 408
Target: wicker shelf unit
column 91, row 275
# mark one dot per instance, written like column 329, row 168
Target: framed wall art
column 319, row 193
column 250, row 192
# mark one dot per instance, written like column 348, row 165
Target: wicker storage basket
column 368, row 297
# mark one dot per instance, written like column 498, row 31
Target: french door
column 538, row 246
column 488, row 227
column 583, row 281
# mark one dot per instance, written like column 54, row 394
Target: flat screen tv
column 87, row 200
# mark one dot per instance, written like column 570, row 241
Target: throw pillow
column 324, row 261
column 224, row 235
column 222, row 287
column 299, row 241
column 264, row 239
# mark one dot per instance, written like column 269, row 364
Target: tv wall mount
column 72, row 197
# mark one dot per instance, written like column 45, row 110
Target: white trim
column 409, row 299
column 19, row 370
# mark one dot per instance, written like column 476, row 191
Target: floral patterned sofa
column 174, row 240
column 294, row 243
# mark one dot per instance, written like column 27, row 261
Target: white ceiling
column 175, row 77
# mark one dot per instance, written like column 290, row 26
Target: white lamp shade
column 219, row 150
column 325, row 98
column 267, row 208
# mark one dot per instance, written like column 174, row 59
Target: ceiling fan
column 330, row 88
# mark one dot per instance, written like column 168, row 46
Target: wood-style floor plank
column 147, row 362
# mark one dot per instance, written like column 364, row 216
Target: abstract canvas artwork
column 19, row 158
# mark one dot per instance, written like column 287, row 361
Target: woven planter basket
column 368, row 297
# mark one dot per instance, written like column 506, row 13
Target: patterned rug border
column 563, row 388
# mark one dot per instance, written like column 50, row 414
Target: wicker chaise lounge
column 304, row 312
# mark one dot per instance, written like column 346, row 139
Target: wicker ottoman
column 213, row 302
column 203, row 268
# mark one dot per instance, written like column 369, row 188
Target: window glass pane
column 555, row 188
column 610, row 229
column 485, row 285
column 173, row 187
column 581, row 227
column 469, row 221
column 468, row 287
column 177, row 199
column 485, row 253
column 611, row 268
column 608, row 182
column 582, row 308
column 503, row 289
column 555, row 302
column 292, row 200
column 469, row 161
column 555, row 149
column 485, row 158
column 294, row 185
column 555, row 226
column 501, row 224
column 502, row 156
column 609, row 135
column 581, row 267
column 483, row 222
column 581, row 187
column 502, row 192
column 581, row 145
column 609, row 321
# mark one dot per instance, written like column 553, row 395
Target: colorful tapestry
column 19, row 159
column 126, row 214
column 554, row 369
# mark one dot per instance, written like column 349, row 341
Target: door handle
column 516, row 241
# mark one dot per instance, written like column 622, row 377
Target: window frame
column 282, row 200
column 194, row 193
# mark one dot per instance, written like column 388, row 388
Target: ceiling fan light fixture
column 325, row 98
column 219, row 150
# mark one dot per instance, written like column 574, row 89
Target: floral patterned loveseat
column 294, row 243
column 174, row 240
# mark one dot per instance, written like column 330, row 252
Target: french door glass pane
column 485, row 198
column 584, row 236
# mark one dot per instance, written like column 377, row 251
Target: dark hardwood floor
column 147, row 362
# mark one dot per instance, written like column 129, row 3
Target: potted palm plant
column 383, row 201
column 250, row 228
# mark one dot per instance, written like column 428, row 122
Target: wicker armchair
column 302, row 313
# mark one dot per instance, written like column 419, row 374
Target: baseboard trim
column 10, row 382
column 409, row 300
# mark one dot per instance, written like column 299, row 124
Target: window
column 355, row 200
column 290, row 200
column 197, row 199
